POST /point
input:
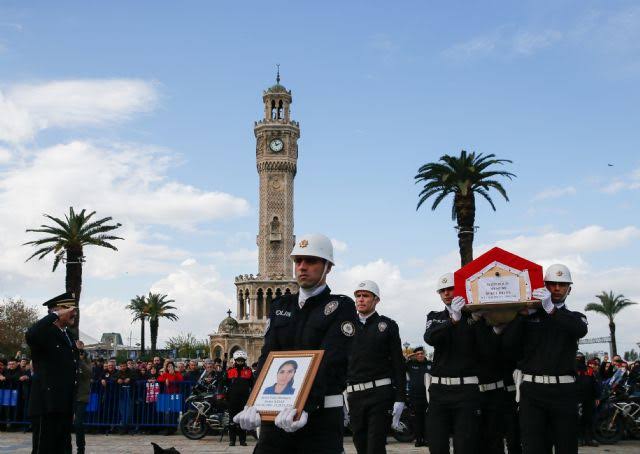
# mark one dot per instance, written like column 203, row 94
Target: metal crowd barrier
column 139, row 404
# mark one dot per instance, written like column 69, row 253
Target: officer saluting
column 376, row 374
column 452, row 387
column 312, row 319
column 547, row 341
column 55, row 358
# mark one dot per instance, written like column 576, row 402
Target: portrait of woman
column 284, row 379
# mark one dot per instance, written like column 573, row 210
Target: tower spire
column 278, row 73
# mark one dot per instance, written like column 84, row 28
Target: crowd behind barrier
column 132, row 406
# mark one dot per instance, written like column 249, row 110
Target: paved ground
column 19, row 443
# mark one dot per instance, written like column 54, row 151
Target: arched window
column 280, row 110
column 259, row 304
column 274, row 113
column 217, row 351
column 287, row 291
column 247, row 305
column 278, row 293
column 268, row 300
column 240, row 305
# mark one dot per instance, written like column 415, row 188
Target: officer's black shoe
column 243, row 443
column 420, row 442
column 591, row 443
column 232, row 443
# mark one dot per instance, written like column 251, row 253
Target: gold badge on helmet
column 559, row 273
column 304, row 243
column 444, row 280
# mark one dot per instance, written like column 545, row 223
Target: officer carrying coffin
column 545, row 341
column 376, row 375
column 312, row 319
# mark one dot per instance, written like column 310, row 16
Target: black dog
column 158, row 450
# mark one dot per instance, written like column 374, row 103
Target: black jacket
column 325, row 322
column 55, row 358
column 458, row 347
column 416, row 371
column 545, row 344
column 376, row 352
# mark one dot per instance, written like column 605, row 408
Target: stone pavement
column 19, row 443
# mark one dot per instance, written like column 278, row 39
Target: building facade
column 276, row 159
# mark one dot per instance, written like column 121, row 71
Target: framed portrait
column 285, row 381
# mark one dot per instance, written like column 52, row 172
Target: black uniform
column 454, row 408
column 492, row 400
column 376, row 354
column 509, row 419
column 587, row 395
column 547, row 345
column 325, row 322
column 416, row 371
column 55, row 359
column 238, row 384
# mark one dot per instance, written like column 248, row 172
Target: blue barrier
column 135, row 405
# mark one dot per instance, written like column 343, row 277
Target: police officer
column 417, row 367
column 376, row 374
column 55, row 364
column 452, row 386
column 312, row 319
column 547, row 340
column 238, row 384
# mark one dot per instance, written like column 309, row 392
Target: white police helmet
column 558, row 273
column 240, row 354
column 369, row 286
column 314, row 245
column 444, row 281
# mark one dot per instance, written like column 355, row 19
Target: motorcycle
column 617, row 414
column 205, row 412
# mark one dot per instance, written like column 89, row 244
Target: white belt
column 491, row 386
column 511, row 388
column 368, row 385
column 333, row 401
column 549, row 379
column 454, row 381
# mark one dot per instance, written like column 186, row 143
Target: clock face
column 276, row 145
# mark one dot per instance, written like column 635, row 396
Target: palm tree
column 66, row 240
column 138, row 306
column 609, row 306
column 158, row 306
column 463, row 176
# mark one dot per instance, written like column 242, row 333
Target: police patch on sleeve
column 382, row 326
column 429, row 322
column 347, row 329
column 330, row 307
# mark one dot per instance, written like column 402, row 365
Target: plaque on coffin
column 498, row 283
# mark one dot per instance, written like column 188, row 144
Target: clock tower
column 276, row 159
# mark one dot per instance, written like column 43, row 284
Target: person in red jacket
column 170, row 379
column 237, row 384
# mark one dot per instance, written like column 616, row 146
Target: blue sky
column 149, row 110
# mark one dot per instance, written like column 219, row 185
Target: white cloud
column 630, row 181
column 503, row 42
column 338, row 246
column 554, row 193
column 27, row 109
column 5, row 155
column 527, row 43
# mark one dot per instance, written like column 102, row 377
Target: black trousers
column 491, row 427
column 79, row 410
column 52, row 433
column 586, row 419
column 510, row 423
column 321, row 435
column 234, row 429
column 419, row 405
column 454, row 410
column 549, row 415
column 370, row 416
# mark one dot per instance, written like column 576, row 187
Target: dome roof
column 228, row 325
column 277, row 88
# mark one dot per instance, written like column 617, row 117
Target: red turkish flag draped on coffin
column 499, row 283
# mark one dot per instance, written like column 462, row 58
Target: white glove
column 248, row 419
column 398, row 407
column 285, row 421
column 544, row 295
column 346, row 417
column 455, row 308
